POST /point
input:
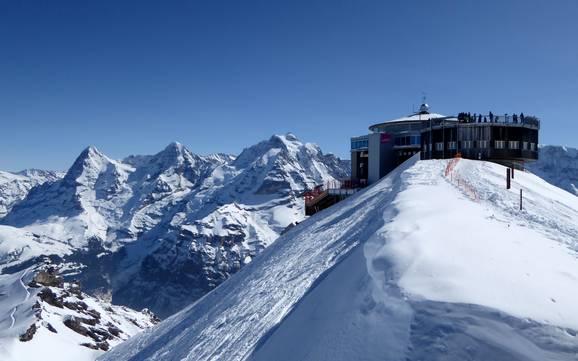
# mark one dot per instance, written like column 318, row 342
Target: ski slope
column 413, row 268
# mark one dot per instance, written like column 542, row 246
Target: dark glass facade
column 499, row 142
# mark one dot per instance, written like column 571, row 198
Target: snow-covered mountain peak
column 88, row 166
column 44, row 175
column 559, row 166
column 176, row 152
column 288, row 142
column 14, row 187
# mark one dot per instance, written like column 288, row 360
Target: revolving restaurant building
column 507, row 139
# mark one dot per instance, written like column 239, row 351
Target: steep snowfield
column 416, row 267
column 559, row 166
column 15, row 186
column 56, row 321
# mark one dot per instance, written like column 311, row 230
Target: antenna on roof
column 424, row 108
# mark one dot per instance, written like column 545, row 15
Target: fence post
column 508, row 178
column 520, row 198
column 512, row 172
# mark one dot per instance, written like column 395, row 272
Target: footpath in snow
column 415, row 267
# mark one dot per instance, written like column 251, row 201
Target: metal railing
column 520, row 119
column 344, row 187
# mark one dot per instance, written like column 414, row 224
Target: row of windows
column 359, row 144
column 406, row 153
column 408, row 140
column 498, row 144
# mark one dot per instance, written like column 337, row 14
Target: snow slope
column 559, row 166
column 19, row 246
column 416, row 267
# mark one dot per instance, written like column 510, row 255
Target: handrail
column 463, row 118
column 337, row 187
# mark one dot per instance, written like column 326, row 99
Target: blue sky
column 129, row 77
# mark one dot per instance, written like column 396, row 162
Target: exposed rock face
column 47, row 278
column 27, row 336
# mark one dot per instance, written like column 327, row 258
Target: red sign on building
column 385, row 137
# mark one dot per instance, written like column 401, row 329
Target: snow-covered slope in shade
column 42, row 317
column 559, row 166
column 15, row 186
column 413, row 268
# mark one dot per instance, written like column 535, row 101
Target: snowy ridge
column 378, row 277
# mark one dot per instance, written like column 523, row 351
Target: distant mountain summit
column 559, row 166
column 15, row 186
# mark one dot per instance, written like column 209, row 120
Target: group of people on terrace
column 479, row 118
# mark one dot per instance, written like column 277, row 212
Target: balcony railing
column 506, row 119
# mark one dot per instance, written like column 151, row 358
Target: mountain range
column 160, row 231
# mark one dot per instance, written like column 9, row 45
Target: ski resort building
column 511, row 140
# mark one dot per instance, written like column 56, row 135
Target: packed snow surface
column 416, row 267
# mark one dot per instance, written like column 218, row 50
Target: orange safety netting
column 457, row 179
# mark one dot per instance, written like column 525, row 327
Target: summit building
column 511, row 140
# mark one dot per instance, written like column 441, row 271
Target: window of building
column 452, row 145
column 500, row 144
column 525, row 145
column 532, row 146
column 413, row 140
column 439, row 146
column 467, row 144
column 483, row 144
column 514, row 144
column 359, row 144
